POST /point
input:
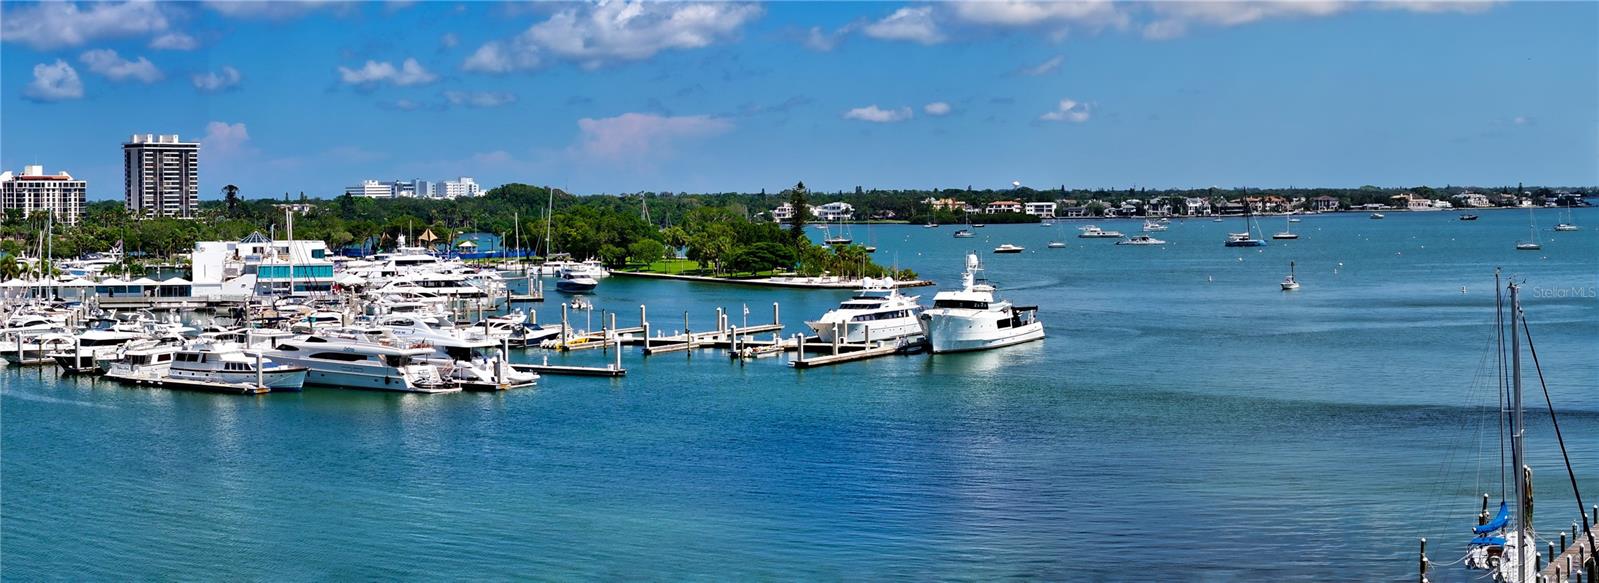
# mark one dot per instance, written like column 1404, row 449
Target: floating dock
column 187, row 385
column 1577, row 562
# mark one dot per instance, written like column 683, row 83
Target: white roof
column 144, row 281
column 176, row 281
column 113, row 281
column 15, row 283
column 77, row 283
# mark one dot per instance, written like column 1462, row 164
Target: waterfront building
column 834, row 211
column 1324, row 204
column 161, row 175
column 1003, row 206
column 944, row 204
column 1472, row 199
column 32, row 190
column 256, row 265
column 783, row 213
column 1041, row 209
column 1197, row 206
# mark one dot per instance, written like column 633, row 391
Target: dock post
column 775, row 318
column 260, row 380
column 867, row 332
column 566, row 330
column 1422, row 563
column 800, row 340
column 836, row 334
column 732, row 339
column 614, row 335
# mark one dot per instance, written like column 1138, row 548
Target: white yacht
column 101, row 340
column 346, row 361
column 972, row 319
column 446, row 284
column 227, row 363
column 143, row 358
column 878, row 308
column 467, row 358
column 1151, row 226
column 1140, row 240
column 575, row 280
column 1094, row 232
column 1009, row 248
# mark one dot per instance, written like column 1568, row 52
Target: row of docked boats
column 405, row 350
column 968, row 319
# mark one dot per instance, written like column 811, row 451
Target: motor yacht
column 972, row 319
column 877, row 311
column 208, row 361
column 1009, row 248
column 575, row 281
column 358, row 362
column 467, row 358
column 1094, row 232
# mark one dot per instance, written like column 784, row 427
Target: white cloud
column 907, row 24
column 1173, row 19
column 937, row 108
column 271, row 10
column 408, row 73
column 479, row 98
column 608, row 32
column 1021, row 14
column 213, row 82
column 53, row 25
column 107, row 63
column 174, row 41
column 817, row 39
column 1067, row 111
column 874, row 114
column 448, row 40
column 1044, row 68
column 224, row 140
column 635, row 135
column 57, row 81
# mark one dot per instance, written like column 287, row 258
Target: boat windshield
column 966, row 304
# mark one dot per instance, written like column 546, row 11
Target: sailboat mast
column 1517, row 432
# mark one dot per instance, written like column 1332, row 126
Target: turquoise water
column 1185, row 420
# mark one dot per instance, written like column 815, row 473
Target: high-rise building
column 464, row 186
column 162, row 176
column 32, row 190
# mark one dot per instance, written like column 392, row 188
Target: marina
column 1354, row 419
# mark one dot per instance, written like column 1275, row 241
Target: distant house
column 1075, row 212
column 1196, row 206
column 1040, row 209
column 944, row 204
column 1324, row 203
column 783, row 213
column 1003, row 206
column 834, row 211
column 1472, row 199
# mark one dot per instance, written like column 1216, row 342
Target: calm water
column 1181, row 406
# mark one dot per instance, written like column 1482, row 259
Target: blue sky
column 614, row 97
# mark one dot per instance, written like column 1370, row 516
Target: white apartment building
column 1003, row 206
column 463, row 186
column 833, row 211
column 161, row 176
column 1040, row 209
column 371, row 189
column 31, row 190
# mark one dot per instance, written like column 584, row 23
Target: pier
column 1577, row 562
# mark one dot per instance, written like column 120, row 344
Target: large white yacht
column 467, row 357
column 445, row 284
column 878, row 307
column 350, row 362
column 228, row 363
column 972, row 319
column 102, row 339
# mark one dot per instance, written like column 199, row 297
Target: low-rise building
column 1472, row 199
column 834, row 211
column 256, row 265
column 1040, row 209
column 32, row 190
column 944, row 204
column 1324, row 204
column 1003, row 206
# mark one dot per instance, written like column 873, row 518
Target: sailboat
column 1058, row 242
column 1246, row 238
column 1570, row 224
column 1532, row 243
column 839, row 240
column 1504, row 543
column 1287, row 232
column 1290, row 283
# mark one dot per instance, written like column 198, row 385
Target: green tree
column 802, row 212
column 230, row 197
column 645, row 251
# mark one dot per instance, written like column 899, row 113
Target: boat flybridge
column 877, row 311
column 972, row 319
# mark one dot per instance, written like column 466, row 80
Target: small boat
column 1150, row 227
column 839, row 241
column 964, row 234
column 571, row 282
column 1057, row 244
column 1378, row 216
column 1532, row 243
column 1243, row 240
column 979, row 225
column 1009, row 248
column 1216, row 220
column 930, row 226
column 1287, row 232
column 1140, row 240
column 1294, row 219
column 1094, row 232
column 1468, row 217
column 1290, row 283
column 871, row 248
column 1569, row 224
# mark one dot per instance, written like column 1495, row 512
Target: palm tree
column 230, row 195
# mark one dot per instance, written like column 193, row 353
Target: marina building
column 32, row 190
column 161, row 176
column 256, row 265
column 463, row 186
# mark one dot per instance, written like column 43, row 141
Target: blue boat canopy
column 1497, row 523
column 1497, row 541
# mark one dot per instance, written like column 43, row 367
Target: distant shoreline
column 794, row 282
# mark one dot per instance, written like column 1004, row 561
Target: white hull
column 277, row 380
column 354, row 376
column 881, row 330
column 947, row 333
